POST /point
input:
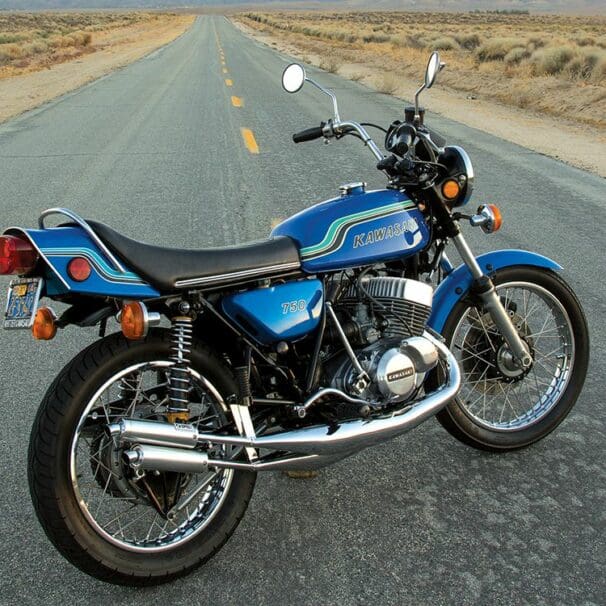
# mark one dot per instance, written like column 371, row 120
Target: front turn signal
column 451, row 189
column 489, row 218
column 44, row 327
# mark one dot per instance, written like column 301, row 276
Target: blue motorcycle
column 347, row 327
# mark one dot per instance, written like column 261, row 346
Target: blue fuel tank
column 359, row 228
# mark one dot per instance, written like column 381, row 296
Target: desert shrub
column 468, row 41
column 496, row 48
column 551, row 60
column 388, row 84
column 10, row 52
column 376, row 38
column 6, row 38
column 330, row 64
column 535, row 42
column 583, row 40
column 587, row 64
column 598, row 73
column 444, row 43
column 33, row 48
column 414, row 41
column 515, row 55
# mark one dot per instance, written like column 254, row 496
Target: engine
column 384, row 318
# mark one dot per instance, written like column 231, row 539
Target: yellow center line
column 224, row 70
column 249, row 140
column 228, row 82
column 237, row 101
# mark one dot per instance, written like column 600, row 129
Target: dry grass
column 554, row 64
column 33, row 41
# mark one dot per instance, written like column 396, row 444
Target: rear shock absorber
column 179, row 378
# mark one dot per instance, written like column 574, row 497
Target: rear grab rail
column 87, row 228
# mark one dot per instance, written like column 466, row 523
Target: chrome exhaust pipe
column 148, row 457
column 347, row 438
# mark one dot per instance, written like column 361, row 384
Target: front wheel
column 110, row 523
column 500, row 406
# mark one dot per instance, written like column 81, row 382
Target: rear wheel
column 500, row 406
column 110, row 523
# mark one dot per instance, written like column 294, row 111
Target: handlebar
column 309, row 134
column 338, row 128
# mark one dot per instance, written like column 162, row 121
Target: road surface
column 158, row 150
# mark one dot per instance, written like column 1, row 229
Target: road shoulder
column 28, row 91
column 578, row 145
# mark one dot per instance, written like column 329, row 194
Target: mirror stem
column 335, row 105
column 417, row 115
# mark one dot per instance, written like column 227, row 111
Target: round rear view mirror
column 433, row 67
column 293, row 78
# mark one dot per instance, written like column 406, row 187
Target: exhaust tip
column 132, row 458
column 113, row 430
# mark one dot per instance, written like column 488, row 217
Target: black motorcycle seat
column 169, row 269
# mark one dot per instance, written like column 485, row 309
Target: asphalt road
column 157, row 150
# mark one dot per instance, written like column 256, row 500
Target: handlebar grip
column 308, row 134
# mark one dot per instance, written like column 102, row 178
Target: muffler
column 322, row 440
column 160, row 458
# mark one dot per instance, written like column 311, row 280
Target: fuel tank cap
column 352, row 188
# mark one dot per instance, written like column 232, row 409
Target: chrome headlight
column 459, row 166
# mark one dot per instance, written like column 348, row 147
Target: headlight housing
column 460, row 169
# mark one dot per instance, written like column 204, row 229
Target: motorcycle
column 347, row 327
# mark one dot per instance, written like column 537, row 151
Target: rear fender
column 457, row 284
column 58, row 245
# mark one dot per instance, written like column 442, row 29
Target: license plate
column 22, row 302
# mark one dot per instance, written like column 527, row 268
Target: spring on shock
column 179, row 379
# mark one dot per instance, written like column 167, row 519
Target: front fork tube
column 487, row 293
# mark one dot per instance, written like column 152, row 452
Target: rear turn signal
column 44, row 327
column 132, row 320
column 135, row 320
column 17, row 255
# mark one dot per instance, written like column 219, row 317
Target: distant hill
column 542, row 6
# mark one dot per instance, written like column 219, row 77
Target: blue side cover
column 455, row 286
column 285, row 312
column 58, row 245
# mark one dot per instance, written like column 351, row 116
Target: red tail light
column 17, row 255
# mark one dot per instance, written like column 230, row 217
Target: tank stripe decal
column 337, row 231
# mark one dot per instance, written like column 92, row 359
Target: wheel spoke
column 502, row 397
column 117, row 504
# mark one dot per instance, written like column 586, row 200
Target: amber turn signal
column 451, row 189
column 497, row 218
column 133, row 320
column 44, row 327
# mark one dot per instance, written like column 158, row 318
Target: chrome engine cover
column 391, row 314
column 397, row 368
column 395, row 374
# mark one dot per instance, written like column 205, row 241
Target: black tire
column 463, row 427
column 51, row 490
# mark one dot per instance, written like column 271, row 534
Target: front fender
column 456, row 285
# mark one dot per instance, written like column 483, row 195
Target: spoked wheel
column 107, row 520
column 501, row 406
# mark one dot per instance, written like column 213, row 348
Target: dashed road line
column 249, row 140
